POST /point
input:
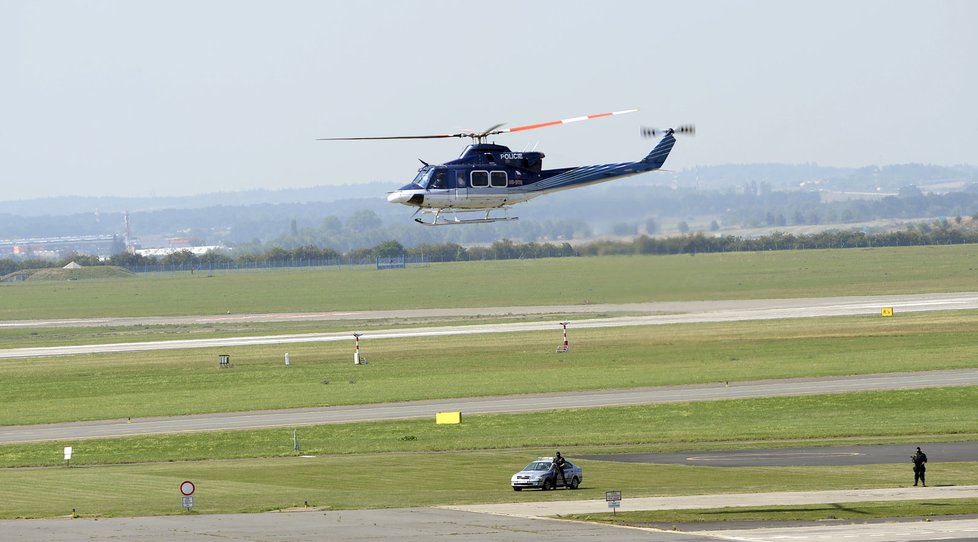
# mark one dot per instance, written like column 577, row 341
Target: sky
column 139, row 98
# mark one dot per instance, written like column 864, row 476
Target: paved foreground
column 520, row 522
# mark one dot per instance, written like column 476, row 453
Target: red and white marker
column 565, row 346
column 356, row 354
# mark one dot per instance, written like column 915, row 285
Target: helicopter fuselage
column 488, row 176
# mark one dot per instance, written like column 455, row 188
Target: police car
column 538, row 474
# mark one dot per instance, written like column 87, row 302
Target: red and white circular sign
column 187, row 488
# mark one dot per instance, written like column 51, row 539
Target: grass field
column 257, row 470
column 171, row 382
column 353, row 465
column 557, row 281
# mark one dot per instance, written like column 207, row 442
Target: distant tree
column 447, row 252
column 183, row 257
column 388, row 249
column 714, row 226
column 651, row 226
column 360, row 255
column 118, row 245
column 683, row 227
column 124, row 259
column 331, row 225
column 363, row 220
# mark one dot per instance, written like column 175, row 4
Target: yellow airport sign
column 887, row 311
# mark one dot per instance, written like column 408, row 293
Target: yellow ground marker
column 448, row 417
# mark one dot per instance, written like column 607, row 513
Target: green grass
column 561, row 281
column 392, row 480
column 893, row 416
column 861, row 511
column 256, row 470
column 418, row 463
column 107, row 386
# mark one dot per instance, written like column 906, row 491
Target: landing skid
column 439, row 220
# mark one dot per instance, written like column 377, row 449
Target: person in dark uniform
column 919, row 468
column 558, row 465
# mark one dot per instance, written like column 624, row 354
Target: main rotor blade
column 556, row 122
column 390, row 137
column 482, row 135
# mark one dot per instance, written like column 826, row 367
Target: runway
column 648, row 314
column 225, row 421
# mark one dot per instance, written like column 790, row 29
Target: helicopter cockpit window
column 480, row 179
column 497, row 179
column 424, row 177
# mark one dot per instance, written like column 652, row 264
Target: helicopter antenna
column 481, row 137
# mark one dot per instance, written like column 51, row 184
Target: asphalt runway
column 829, row 456
column 403, row 524
column 485, row 405
column 649, row 314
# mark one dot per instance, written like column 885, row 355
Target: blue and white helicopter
column 487, row 177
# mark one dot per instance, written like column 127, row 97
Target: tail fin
column 658, row 155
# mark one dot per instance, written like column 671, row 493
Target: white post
column 356, row 353
column 565, row 346
column 286, row 359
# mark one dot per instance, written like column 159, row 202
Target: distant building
column 55, row 247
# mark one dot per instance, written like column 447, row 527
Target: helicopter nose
column 406, row 197
column 398, row 197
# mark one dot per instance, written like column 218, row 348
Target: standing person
column 919, row 468
column 558, row 465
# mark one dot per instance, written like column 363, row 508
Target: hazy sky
column 141, row 98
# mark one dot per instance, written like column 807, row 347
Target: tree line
column 941, row 232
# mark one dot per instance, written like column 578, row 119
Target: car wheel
column 547, row 485
column 517, row 488
column 574, row 483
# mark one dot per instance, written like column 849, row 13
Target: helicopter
column 488, row 177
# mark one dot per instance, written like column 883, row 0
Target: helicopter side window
column 480, row 179
column 460, row 181
column 440, row 180
column 498, row 179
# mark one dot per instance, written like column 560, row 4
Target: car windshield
column 538, row 465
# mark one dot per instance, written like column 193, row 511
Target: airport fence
column 336, row 263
